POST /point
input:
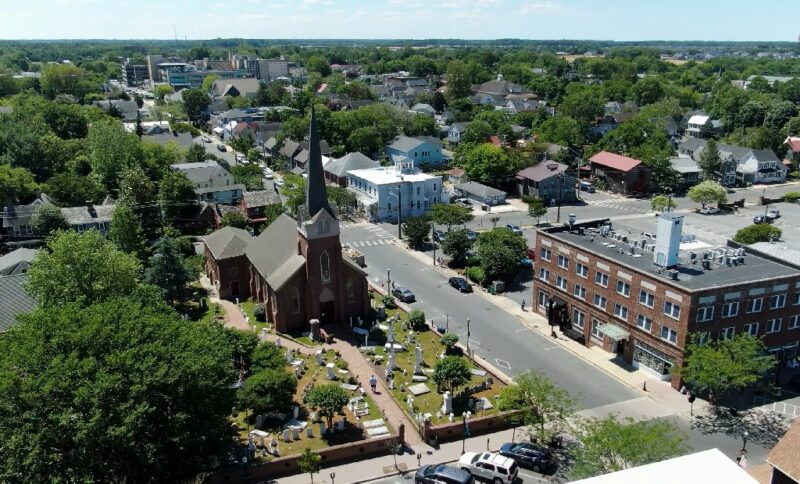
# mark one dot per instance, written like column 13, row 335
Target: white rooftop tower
column 668, row 240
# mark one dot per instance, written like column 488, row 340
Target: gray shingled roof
column 15, row 298
column 301, row 157
column 274, row 253
column 184, row 140
column 17, row 261
column 261, row 198
column 227, row 242
column 289, row 147
column 406, row 143
column 82, row 215
column 480, row 190
column 542, row 171
column 351, row 161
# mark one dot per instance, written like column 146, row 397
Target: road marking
column 523, row 329
column 502, row 363
column 552, row 348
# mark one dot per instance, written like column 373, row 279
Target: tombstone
column 451, row 417
column 322, row 429
column 296, row 412
column 390, row 333
column 438, row 415
column 490, row 380
column 259, row 420
column 302, row 365
column 391, row 384
column 287, row 435
column 410, row 402
column 447, row 403
column 418, row 351
column 387, row 373
column 278, row 342
column 314, row 417
column 402, row 387
column 289, row 355
column 366, row 338
column 340, row 425
column 331, row 371
column 418, row 369
column 310, row 432
column 391, row 365
column 469, row 414
column 320, row 356
column 314, row 323
column 296, row 433
column 273, row 446
column 298, row 372
column 442, row 355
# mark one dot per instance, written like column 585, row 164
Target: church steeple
column 316, row 194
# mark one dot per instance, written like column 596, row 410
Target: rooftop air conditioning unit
column 673, row 274
column 706, row 264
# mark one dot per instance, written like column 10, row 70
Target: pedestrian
column 373, row 383
column 392, row 284
column 523, row 305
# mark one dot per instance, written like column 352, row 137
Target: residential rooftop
column 389, row 175
column 690, row 276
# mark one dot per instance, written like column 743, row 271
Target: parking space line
column 503, row 363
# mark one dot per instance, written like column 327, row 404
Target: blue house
column 409, row 153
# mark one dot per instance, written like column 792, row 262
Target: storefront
column 652, row 360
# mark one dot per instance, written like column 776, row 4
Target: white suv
column 489, row 466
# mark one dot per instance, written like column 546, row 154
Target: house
column 254, row 204
column 338, row 170
column 90, row 217
column 669, row 124
column 499, row 87
column 783, row 464
column 553, row 182
column 16, row 300
column 688, row 169
column 149, row 127
column 421, row 108
column 622, row 174
column 226, row 265
column 792, row 152
column 183, row 140
column 739, row 164
column 515, row 107
column 612, row 107
column 697, row 124
column 324, row 148
column 17, row 261
column 417, row 151
column 457, row 176
column 300, row 160
column 288, row 151
column 223, row 88
column 455, row 131
column 487, row 99
column 127, row 110
column 482, row 194
column 296, row 267
column 381, row 191
column 212, row 183
column 17, row 226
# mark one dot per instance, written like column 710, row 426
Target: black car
column 431, row 474
column 528, row 455
column 460, row 283
column 403, row 294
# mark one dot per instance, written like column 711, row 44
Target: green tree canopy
column 610, row 445
column 112, row 392
column 500, row 251
column 294, row 190
column 126, row 231
column 328, row 400
column 451, row 372
column 561, row 130
column 757, row 233
column 449, row 215
column 459, row 80
column 47, row 219
column 167, row 270
column 16, row 184
column 267, row 355
column 456, row 245
column 536, row 208
column 81, row 268
column 72, row 189
column 484, row 162
column 318, row 64
column 234, row 218
column 710, row 160
column 112, row 150
column 721, row 365
column 270, row 390
column 708, row 192
column 416, row 229
column 662, row 203
column 309, row 463
column 195, row 102
column 177, row 198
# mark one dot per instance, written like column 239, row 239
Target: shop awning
column 614, row 332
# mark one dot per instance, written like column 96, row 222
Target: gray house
column 480, row 193
column 552, row 182
column 17, row 261
column 338, row 169
column 16, row 300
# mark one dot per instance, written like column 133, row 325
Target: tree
column 267, row 355
column 161, row 91
column 648, row 90
column 721, row 365
column 757, row 233
column 477, row 132
column 541, row 404
column 536, row 208
column 449, row 215
column 209, row 81
column 195, row 103
column 779, row 114
column 64, row 79
column 459, row 80
column 177, row 197
column 126, row 231
column 72, row 189
column 752, row 114
column 234, row 218
column 343, row 199
column 272, row 94
column 268, row 390
column 610, row 445
column 662, row 203
column 294, row 190
column 309, row 462
column 116, row 391
column 710, row 160
column 317, row 63
column 449, row 340
column 197, row 154
column 583, row 105
column 790, row 90
column 249, row 175
column 328, row 400
column 82, row 268
column 456, row 245
column 16, row 184
column 365, row 139
column 484, row 162
column 47, row 219
column 416, row 230
column 416, row 320
column 500, row 251
column 451, row 372
column 708, row 192
column 166, row 269
column 561, row 130
column 112, row 150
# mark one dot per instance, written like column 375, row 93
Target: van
column 587, row 187
column 430, row 474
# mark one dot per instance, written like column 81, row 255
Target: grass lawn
column 314, row 374
column 431, row 349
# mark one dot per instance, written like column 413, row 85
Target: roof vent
column 552, row 166
column 706, row 264
column 673, row 274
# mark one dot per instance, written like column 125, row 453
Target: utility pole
column 400, row 211
column 433, row 241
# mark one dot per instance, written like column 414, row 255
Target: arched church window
column 351, row 292
column 295, row 300
column 325, row 267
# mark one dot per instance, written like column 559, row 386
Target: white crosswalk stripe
column 368, row 243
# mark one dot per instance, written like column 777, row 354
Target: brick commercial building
column 642, row 295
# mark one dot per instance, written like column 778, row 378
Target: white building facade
column 381, row 191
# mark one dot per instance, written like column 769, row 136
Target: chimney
column 668, row 240
column 90, row 209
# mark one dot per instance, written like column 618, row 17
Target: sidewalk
column 233, row 315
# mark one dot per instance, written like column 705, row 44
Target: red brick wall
column 477, row 426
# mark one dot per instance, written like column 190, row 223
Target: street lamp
column 464, row 433
column 388, row 280
column 333, row 476
column 469, row 352
column 744, row 441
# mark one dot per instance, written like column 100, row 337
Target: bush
column 388, row 301
column 260, row 312
column 476, row 274
column 757, row 233
column 792, row 197
column 472, row 261
column 416, row 320
column 341, row 364
column 449, row 340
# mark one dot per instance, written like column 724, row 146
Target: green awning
column 614, row 332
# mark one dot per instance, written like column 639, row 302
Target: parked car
column 514, row 228
column 403, row 294
column 526, row 262
column 268, row 174
column 709, row 211
column 586, row 187
column 222, row 147
column 528, row 455
column 440, row 473
column 760, row 219
column 206, row 139
column 240, row 158
column 439, row 235
column 472, row 235
column 774, row 214
column 464, row 202
column 460, row 283
column 490, row 466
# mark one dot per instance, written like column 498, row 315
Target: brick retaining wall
column 477, row 426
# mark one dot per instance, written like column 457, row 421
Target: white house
column 696, row 125
column 380, row 191
column 212, row 183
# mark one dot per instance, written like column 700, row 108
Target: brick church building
column 294, row 267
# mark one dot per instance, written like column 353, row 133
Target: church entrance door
column 327, row 307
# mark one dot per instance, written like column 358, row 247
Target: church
column 294, row 267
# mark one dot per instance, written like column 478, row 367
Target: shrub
column 792, row 197
column 341, row 364
column 757, row 233
column 388, row 301
column 476, row 274
column 449, row 340
column 416, row 319
column 260, row 312
column 472, row 261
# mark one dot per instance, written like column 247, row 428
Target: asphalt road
column 495, row 335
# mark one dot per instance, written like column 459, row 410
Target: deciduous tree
column 500, row 251
column 708, row 192
column 16, row 184
column 234, row 218
column 662, row 203
column 451, row 372
column 270, row 390
column 757, row 233
column 328, row 400
column 416, row 229
column 484, row 162
column 126, row 231
column 540, row 403
column 48, row 219
column 450, row 215
column 456, row 245
column 309, row 463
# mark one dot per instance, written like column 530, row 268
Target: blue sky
column 414, row 19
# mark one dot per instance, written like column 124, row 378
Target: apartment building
column 642, row 295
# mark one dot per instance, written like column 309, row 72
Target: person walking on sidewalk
column 523, row 305
column 373, row 383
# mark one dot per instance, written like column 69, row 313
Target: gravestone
column 296, row 434
column 287, row 435
column 418, row 355
column 310, row 431
column 410, row 402
column 451, row 417
column 330, row 367
column 391, row 384
column 320, row 356
column 295, row 412
column 419, row 389
column 290, row 355
column 278, row 342
column 259, row 421
column 392, row 364
column 447, row 402
column 298, row 373
column 314, row 324
column 390, row 333
column 322, row 429
column 340, row 425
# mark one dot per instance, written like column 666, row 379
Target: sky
column 723, row 20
